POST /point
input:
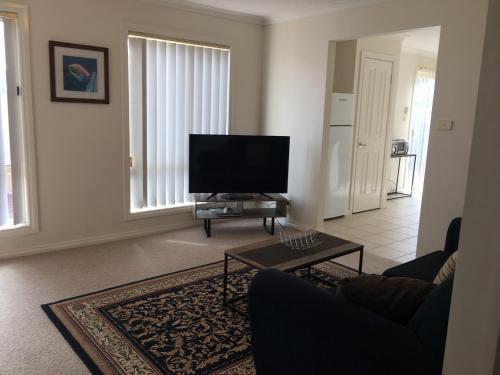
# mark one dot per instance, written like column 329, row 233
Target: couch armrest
column 453, row 235
column 298, row 328
column 424, row 268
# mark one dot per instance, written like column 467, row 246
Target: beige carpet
column 29, row 342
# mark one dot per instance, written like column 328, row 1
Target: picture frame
column 78, row 73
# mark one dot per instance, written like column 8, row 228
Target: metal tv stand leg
column 264, row 224
column 207, row 224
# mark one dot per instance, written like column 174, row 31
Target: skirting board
column 63, row 245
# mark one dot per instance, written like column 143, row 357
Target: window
column 176, row 88
column 420, row 124
column 16, row 182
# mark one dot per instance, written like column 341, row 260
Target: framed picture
column 78, row 73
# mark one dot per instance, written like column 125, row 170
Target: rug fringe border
column 73, row 343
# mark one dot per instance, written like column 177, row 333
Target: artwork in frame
column 78, row 73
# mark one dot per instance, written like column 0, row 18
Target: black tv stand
column 230, row 206
column 239, row 196
column 265, row 195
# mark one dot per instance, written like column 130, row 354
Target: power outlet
column 445, row 124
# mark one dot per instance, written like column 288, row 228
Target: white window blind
column 13, row 179
column 175, row 89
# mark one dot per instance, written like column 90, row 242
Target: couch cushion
column 430, row 322
column 423, row 268
column 394, row 298
column 447, row 268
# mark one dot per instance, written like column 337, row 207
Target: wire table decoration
column 298, row 241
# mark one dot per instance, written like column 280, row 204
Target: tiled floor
column 389, row 232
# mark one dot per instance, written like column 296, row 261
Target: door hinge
column 130, row 161
column 18, row 91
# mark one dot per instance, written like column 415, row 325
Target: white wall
column 348, row 59
column 294, row 98
column 474, row 328
column 378, row 44
column 79, row 146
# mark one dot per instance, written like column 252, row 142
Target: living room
column 81, row 235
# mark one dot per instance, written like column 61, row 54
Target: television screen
column 238, row 164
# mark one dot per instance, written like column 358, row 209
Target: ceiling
column 275, row 10
column 424, row 40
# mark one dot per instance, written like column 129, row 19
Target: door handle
column 361, row 144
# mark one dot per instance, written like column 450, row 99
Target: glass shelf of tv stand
column 267, row 206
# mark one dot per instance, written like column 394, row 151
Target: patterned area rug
column 170, row 324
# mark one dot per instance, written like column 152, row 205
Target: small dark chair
column 299, row 328
column 428, row 266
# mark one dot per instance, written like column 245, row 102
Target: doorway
column 391, row 78
column 413, row 111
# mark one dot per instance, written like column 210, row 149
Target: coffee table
column 272, row 254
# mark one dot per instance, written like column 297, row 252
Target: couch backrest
column 430, row 322
column 453, row 235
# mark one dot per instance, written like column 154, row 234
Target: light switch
column 445, row 124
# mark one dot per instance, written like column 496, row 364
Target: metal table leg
column 413, row 175
column 396, row 192
column 397, row 176
column 360, row 268
column 230, row 302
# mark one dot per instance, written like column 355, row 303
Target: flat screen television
column 238, row 164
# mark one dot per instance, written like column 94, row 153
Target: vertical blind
column 175, row 89
column 420, row 123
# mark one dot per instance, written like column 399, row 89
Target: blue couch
column 298, row 328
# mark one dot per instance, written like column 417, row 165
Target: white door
column 373, row 117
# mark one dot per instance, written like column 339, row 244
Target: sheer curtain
column 175, row 89
column 5, row 163
column 420, row 123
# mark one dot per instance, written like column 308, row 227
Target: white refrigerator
column 339, row 155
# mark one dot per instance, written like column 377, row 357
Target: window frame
column 131, row 28
column 27, row 124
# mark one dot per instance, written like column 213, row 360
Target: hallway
column 390, row 233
